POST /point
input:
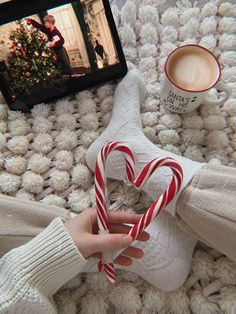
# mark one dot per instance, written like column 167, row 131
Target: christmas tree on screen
column 31, row 61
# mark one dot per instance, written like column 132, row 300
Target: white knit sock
column 168, row 253
column 125, row 126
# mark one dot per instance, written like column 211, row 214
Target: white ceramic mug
column 178, row 98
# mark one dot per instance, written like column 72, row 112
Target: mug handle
column 222, row 87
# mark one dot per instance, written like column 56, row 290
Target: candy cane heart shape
column 165, row 198
column 106, row 264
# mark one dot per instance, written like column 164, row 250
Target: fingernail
column 127, row 240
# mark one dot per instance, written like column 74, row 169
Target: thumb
column 111, row 242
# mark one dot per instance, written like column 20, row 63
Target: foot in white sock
column 168, row 252
column 125, row 126
column 167, row 255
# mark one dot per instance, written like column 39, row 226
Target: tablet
column 49, row 49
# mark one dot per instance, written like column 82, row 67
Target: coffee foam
column 193, row 68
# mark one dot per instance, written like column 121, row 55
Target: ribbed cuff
column 51, row 259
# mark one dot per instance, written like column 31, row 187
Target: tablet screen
column 59, row 48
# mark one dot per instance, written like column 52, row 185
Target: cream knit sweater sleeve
column 32, row 273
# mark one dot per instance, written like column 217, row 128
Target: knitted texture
column 43, row 153
column 26, row 284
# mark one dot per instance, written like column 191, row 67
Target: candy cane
column 146, row 172
column 164, row 199
column 106, row 264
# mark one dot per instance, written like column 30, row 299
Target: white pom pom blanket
column 42, row 154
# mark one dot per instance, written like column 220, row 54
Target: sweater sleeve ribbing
column 32, row 273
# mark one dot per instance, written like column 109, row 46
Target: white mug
column 190, row 71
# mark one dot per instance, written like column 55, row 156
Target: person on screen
column 99, row 50
column 56, row 41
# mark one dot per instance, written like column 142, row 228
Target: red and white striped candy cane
column 146, row 172
column 157, row 206
column 106, row 264
column 165, row 198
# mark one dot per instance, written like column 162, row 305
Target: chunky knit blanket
column 42, row 154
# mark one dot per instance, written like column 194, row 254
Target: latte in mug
column 190, row 71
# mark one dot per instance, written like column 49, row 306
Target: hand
column 84, row 231
column 51, row 44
